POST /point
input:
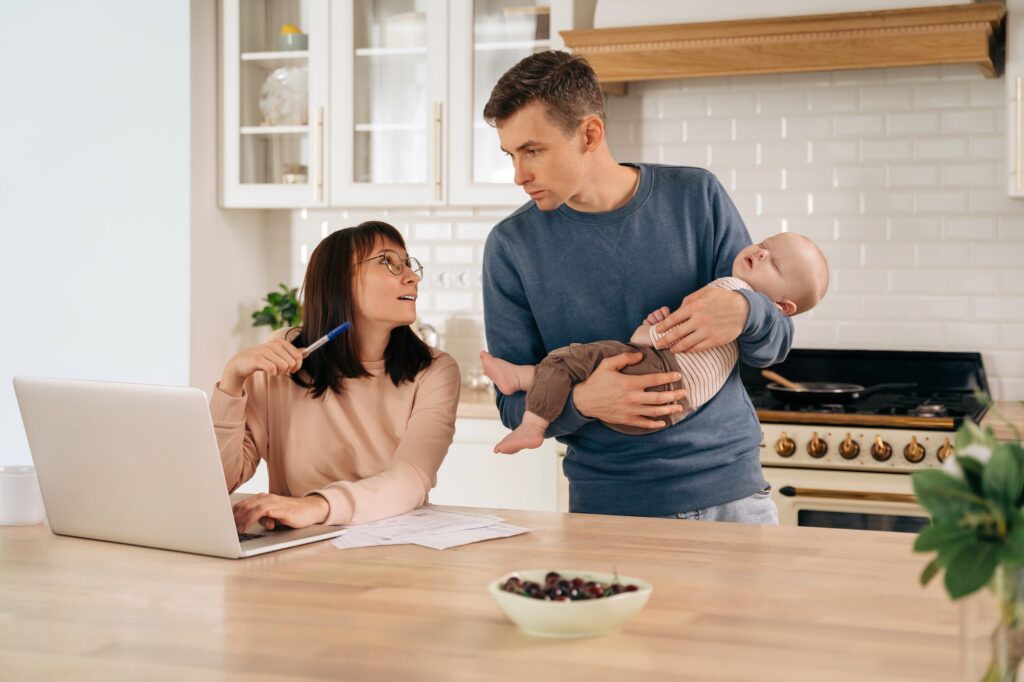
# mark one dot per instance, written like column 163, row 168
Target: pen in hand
column 329, row 336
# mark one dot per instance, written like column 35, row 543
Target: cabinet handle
column 1020, row 142
column 438, row 120
column 318, row 149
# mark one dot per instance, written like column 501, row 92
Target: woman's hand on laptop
column 274, row 357
column 270, row 510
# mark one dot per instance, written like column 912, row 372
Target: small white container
column 21, row 503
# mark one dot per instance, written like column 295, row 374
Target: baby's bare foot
column 523, row 438
column 504, row 374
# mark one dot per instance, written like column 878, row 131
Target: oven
column 848, row 465
column 839, row 499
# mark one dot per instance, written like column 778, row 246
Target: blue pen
column 329, row 336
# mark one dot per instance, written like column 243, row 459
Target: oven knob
column 881, row 450
column 945, row 451
column 914, row 452
column 785, row 446
column 849, row 448
column 817, row 447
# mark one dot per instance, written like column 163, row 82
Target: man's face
column 550, row 164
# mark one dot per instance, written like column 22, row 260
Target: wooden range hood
column 952, row 34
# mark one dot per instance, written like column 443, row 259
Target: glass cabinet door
column 275, row 86
column 489, row 37
column 388, row 87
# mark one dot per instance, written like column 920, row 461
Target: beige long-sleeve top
column 372, row 452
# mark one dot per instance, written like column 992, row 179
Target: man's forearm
column 767, row 335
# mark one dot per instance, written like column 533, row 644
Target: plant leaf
column 970, row 569
column 1012, row 551
column 930, row 571
column 972, row 469
column 946, row 497
column 943, row 536
column 1003, row 480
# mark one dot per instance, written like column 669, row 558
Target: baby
column 788, row 268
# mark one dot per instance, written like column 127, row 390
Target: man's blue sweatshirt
column 552, row 278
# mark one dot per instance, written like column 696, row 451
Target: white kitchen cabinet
column 487, row 38
column 276, row 160
column 388, row 94
column 1015, row 103
column 396, row 96
column 472, row 475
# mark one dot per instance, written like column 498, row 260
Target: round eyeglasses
column 397, row 265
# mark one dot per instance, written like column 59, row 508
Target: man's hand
column 707, row 318
column 617, row 398
column 269, row 510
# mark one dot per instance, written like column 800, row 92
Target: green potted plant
column 282, row 309
column 976, row 504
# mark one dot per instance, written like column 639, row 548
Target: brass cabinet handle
column 1020, row 142
column 438, row 120
column 318, row 148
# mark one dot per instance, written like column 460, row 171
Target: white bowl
column 20, row 501
column 583, row 618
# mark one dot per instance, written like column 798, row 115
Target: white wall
column 898, row 173
column 94, row 195
column 231, row 268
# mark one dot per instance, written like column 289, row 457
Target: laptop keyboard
column 245, row 537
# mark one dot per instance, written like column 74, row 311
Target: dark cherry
column 557, row 588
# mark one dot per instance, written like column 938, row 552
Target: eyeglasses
column 397, row 265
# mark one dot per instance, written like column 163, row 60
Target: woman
column 356, row 431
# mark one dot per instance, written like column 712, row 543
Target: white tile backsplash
column 897, row 173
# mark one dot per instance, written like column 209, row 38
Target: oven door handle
column 791, row 491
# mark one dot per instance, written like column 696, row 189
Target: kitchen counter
column 1011, row 411
column 730, row 602
column 477, row 404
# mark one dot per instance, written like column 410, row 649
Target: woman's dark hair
column 327, row 295
column 564, row 82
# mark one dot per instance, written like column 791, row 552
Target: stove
column 897, row 429
column 847, row 464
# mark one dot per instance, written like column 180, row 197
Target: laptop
column 139, row 465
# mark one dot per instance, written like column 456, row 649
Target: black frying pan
column 823, row 392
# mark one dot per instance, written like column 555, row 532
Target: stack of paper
column 428, row 527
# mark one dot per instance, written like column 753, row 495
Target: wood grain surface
column 730, row 602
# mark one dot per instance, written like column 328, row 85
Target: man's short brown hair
column 564, row 82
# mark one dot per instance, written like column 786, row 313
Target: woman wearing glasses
column 356, row 431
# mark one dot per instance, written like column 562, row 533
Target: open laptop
column 140, row 465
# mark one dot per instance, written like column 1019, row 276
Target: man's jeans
column 758, row 508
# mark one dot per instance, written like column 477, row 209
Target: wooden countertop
column 1012, row 411
column 730, row 602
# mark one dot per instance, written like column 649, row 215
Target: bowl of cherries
column 569, row 603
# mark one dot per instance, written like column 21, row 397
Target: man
column 597, row 248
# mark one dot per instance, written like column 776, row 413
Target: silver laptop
column 140, row 465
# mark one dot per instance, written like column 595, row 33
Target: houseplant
column 976, row 503
column 282, row 309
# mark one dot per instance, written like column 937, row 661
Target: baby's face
column 783, row 267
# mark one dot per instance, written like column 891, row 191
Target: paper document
column 428, row 527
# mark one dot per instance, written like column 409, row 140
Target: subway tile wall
column 898, row 174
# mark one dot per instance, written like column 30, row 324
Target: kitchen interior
column 275, row 122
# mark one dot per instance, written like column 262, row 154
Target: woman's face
column 381, row 297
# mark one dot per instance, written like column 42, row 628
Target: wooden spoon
column 779, row 379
